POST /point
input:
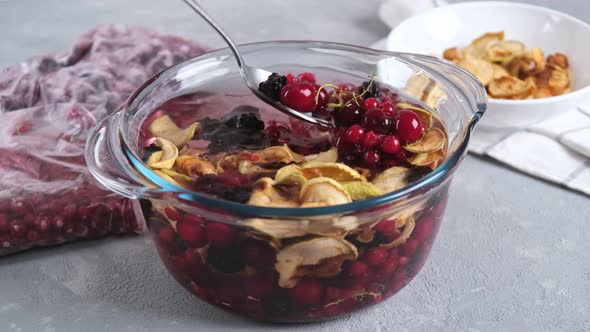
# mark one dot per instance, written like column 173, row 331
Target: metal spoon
column 253, row 76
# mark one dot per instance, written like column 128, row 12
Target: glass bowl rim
column 167, row 188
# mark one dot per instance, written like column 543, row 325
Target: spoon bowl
column 253, row 76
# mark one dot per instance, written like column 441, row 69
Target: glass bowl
column 250, row 259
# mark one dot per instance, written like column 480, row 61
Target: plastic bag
column 48, row 105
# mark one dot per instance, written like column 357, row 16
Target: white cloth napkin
column 556, row 150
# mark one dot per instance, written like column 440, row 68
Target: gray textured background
column 513, row 252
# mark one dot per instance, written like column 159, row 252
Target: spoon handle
column 199, row 10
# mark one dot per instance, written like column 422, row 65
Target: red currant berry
column 377, row 121
column 191, row 231
column 348, row 115
column 370, row 103
column 386, row 227
column 389, row 109
column 307, row 292
column 355, row 134
column 375, row 256
column 323, row 98
column 306, row 77
column 221, row 235
column 372, row 140
column 390, row 145
column 299, row 96
column 372, row 158
column 409, row 128
column 358, row 270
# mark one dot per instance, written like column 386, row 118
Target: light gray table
column 513, row 253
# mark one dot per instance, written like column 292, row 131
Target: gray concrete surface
column 513, row 253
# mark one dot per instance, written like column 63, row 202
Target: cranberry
column 3, row 223
column 410, row 247
column 41, row 223
column 423, row 230
column 375, row 256
column 290, row 78
column 370, row 103
column 299, row 96
column 221, row 235
column 403, row 261
column 409, row 127
column 17, row 229
column 355, row 134
column 193, row 258
column 386, row 227
column 57, row 223
column 307, row 293
column 323, row 99
column 372, row 157
column 306, row 77
column 166, row 234
column 345, row 87
column 258, row 254
column 191, row 231
column 258, row 287
column 389, row 109
column 377, row 121
column 70, row 210
column 278, row 133
column 389, row 266
column 372, row 140
column 391, row 145
column 5, row 242
column 32, row 236
column 18, row 206
column 348, row 115
column 358, row 270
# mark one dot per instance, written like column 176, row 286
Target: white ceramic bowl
column 433, row 31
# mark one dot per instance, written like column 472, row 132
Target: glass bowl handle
column 103, row 154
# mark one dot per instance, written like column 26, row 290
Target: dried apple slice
column 392, row 179
column 194, row 166
column 424, row 159
column 336, row 171
column 323, row 191
column 479, row 46
column 509, row 87
column 425, row 116
column 538, row 58
column 505, row 51
column 317, row 257
column 432, row 141
column 481, row 69
column 499, row 71
column 330, row 156
column 179, row 177
column 265, row 194
column 361, row 190
column 409, row 225
column 164, row 127
column 164, row 158
column 452, row 54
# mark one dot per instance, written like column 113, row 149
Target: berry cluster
column 370, row 132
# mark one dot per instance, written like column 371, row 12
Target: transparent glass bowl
column 228, row 257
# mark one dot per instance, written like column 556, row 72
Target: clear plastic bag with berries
column 48, row 105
